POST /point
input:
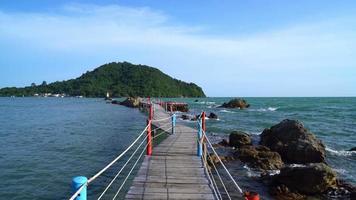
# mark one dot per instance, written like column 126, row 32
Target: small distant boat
column 12, row 96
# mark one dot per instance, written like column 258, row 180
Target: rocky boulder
column 213, row 116
column 293, row 142
column 239, row 138
column 260, row 157
column 185, row 117
column 353, row 149
column 236, row 103
column 132, row 102
column 214, row 159
column 314, row 178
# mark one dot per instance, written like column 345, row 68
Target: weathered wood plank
column 173, row 171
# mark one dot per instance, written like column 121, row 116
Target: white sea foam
column 226, row 111
column 340, row 153
column 274, row 172
column 272, row 109
column 206, row 102
column 296, row 165
column 340, row 171
column 250, row 172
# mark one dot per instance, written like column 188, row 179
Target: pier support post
column 200, row 135
column 203, row 121
column 77, row 182
column 149, row 131
column 201, row 129
column 174, row 117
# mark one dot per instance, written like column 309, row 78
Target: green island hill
column 120, row 79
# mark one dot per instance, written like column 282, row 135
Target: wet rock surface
column 293, row 142
column 239, row 139
column 314, row 178
column 213, row 116
column 132, row 102
column 353, row 149
column 260, row 157
column 236, row 103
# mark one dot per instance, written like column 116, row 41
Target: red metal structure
column 149, row 130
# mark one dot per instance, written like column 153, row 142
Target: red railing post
column 149, row 131
column 203, row 121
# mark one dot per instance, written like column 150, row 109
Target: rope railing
column 133, row 167
column 79, row 189
column 222, row 164
column 219, row 176
column 122, row 168
column 108, row 166
column 204, row 141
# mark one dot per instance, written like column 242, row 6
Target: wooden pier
column 173, row 171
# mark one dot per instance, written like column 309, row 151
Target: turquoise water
column 46, row 141
column 333, row 120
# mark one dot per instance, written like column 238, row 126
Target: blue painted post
column 77, row 182
column 200, row 135
column 173, row 123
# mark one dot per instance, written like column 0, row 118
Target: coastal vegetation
column 117, row 78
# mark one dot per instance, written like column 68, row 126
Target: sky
column 242, row 48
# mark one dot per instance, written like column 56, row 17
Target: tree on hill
column 117, row 78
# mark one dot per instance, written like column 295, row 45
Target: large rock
column 353, row 149
column 236, row 103
column 260, row 157
column 239, row 138
column 213, row 116
column 132, row 102
column 293, row 142
column 314, row 178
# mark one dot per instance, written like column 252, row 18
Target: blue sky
column 230, row 48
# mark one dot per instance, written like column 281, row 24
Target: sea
column 45, row 142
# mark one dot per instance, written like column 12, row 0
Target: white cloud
column 294, row 54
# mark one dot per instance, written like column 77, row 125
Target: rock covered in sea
column 310, row 179
column 213, row 116
column 239, row 138
column 293, row 142
column 260, row 157
column 132, row 102
column 236, row 103
column 185, row 117
column 353, row 149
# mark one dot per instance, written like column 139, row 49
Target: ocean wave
column 226, row 111
column 255, row 133
column 251, row 172
column 206, row 102
column 340, row 153
column 271, row 109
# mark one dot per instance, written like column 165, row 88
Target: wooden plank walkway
column 174, row 171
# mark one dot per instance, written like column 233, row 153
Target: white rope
column 123, row 183
column 222, row 164
column 206, row 169
column 106, row 167
column 217, row 172
column 164, row 125
column 122, row 168
column 214, row 182
column 133, row 167
column 112, row 181
column 158, row 120
column 163, row 131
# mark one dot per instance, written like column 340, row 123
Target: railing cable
column 222, row 164
column 222, row 182
column 107, row 166
column 122, row 168
column 132, row 168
